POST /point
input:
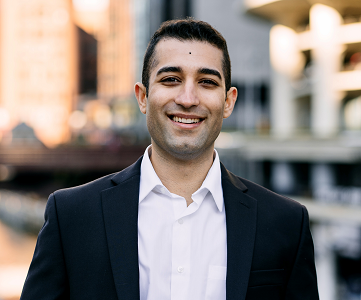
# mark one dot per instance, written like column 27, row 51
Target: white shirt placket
column 181, row 255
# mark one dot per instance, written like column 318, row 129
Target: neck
column 181, row 177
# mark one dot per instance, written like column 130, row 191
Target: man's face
column 186, row 100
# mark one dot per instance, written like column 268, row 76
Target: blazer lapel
column 241, row 217
column 120, row 211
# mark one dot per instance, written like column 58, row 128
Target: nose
column 187, row 96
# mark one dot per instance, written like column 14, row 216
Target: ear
column 141, row 95
column 230, row 102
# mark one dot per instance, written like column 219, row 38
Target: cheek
column 152, row 105
column 151, row 117
column 216, row 108
column 156, row 100
column 155, row 115
column 214, row 101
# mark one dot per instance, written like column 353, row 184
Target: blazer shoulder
column 261, row 192
column 267, row 200
column 92, row 189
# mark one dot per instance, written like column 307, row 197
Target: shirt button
column 180, row 221
column 180, row 269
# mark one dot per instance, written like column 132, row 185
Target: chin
column 187, row 151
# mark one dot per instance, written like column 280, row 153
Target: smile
column 185, row 120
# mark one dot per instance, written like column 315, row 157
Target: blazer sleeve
column 302, row 284
column 47, row 277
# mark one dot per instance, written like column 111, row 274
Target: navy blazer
column 88, row 245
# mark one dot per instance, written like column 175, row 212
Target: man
column 176, row 224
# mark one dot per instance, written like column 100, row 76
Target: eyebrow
column 210, row 72
column 169, row 69
column 205, row 71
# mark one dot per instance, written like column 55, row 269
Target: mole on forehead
column 155, row 61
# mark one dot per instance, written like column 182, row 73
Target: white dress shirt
column 182, row 250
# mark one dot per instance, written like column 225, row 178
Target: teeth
column 184, row 120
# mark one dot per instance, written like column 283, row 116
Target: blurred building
column 313, row 151
column 106, row 107
column 112, row 24
column 38, row 79
column 52, row 51
column 316, row 65
column 116, row 60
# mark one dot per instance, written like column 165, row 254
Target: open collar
column 212, row 183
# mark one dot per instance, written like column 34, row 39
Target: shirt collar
column 213, row 181
column 148, row 177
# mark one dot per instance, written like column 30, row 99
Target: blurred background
column 68, row 114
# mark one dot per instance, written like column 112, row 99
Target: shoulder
column 265, row 195
column 92, row 190
column 86, row 189
column 269, row 204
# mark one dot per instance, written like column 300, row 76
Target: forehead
column 191, row 55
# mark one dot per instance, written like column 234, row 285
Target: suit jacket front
column 88, row 246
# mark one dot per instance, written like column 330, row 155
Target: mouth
column 185, row 120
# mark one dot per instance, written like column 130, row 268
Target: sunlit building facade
column 112, row 26
column 38, row 60
column 52, row 51
column 116, row 51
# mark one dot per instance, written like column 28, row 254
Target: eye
column 208, row 82
column 170, row 80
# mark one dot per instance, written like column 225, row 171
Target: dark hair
column 186, row 29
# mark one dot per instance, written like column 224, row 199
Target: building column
column 287, row 62
column 325, row 23
column 282, row 106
